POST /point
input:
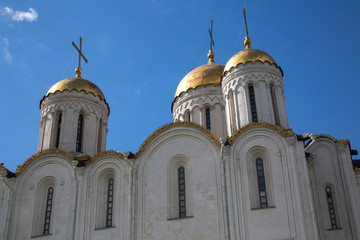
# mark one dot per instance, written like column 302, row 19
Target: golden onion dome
column 248, row 55
column 208, row 74
column 78, row 84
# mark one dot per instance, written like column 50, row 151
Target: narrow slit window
column 274, row 103
column 331, row 207
column 48, row 209
column 208, row 123
column 79, row 133
column 232, row 112
column 110, row 201
column 58, row 128
column 181, row 185
column 253, row 104
column 261, row 183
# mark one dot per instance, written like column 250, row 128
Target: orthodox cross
column 78, row 71
column 211, row 36
column 247, row 38
column 247, row 32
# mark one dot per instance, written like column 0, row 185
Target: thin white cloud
column 20, row 16
column 6, row 51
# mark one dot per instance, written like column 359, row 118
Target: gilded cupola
column 199, row 97
column 248, row 55
column 77, row 83
column 208, row 74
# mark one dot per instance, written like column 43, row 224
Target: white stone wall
column 93, row 217
column 222, row 200
column 260, row 75
column 282, row 219
column 24, row 214
column 71, row 104
column 195, row 101
column 327, row 168
column 205, row 219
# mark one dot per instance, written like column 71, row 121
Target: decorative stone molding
column 105, row 153
column 231, row 85
column 254, row 71
column 73, row 95
column 71, row 158
column 168, row 126
column 282, row 132
column 21, row 168
column 209, row 94
column 88, row 106
column 315, row 136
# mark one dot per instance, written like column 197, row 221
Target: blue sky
column 139, row 50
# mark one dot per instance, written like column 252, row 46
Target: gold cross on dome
column 247, row 32
column 211, row 53
column 247, row 38
column 211, row 36
column 78, row 70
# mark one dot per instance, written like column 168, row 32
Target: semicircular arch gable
column 260, row 125
column 41, row 154
column 162, row 130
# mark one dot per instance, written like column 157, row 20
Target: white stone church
column 228, row 167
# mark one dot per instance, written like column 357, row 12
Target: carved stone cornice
column 21, row 168
column 74, row 96
column 280, row 131
column 105, row 153
column 86, row 159
column 345, row 141
column 197, row 97
column 52, row 105
column 168, row 126
column 255, row 71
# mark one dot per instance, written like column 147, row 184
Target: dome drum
column 74, row 116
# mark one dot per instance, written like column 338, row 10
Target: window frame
column 79, row 133
column 110, row 203
column 260, row 173
column 208, row 118
column 252, row 102
column 58, row 129
column 48, row 211
column 173, row 166
column 182, row 192
column 331, row 208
